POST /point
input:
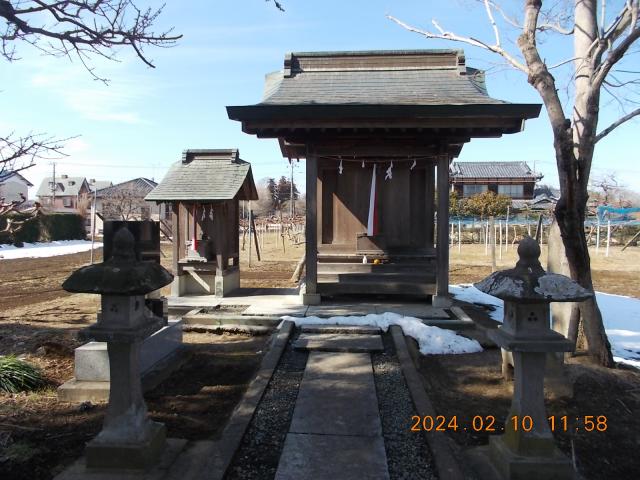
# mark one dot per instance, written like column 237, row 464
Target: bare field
column 617, row 273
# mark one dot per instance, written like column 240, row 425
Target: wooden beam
column 442, row 244
column 311, row 228
column 430, row 200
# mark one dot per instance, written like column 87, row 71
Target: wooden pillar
column 219, row 218
column 175, row 234
column 430, row 201
column 311, row 231
column 442, row 245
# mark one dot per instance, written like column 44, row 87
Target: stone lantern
column 128, row 440
column 527, row 449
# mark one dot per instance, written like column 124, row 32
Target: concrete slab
column 340, row 310
column 338, row 368
column 316, row 457
column 326, row 408
column 336, row 342
column 92, row 359
column 79, row 471
column 337, row 396
column 364, row 329
column 193, row 301
column 277, row 309
column 418, row 310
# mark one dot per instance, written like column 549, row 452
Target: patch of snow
column 466, row 292
column 46, row 249
column 431, row 340
column 620, row 315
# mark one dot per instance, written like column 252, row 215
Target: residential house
column 125, row 201
column 13, row 187
column 514, row 179
column 64, row 194
column 99, row 184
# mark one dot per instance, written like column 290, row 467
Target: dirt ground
column 40, row 321
column 471, row 385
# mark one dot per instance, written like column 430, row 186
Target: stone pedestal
column 441, row 301
column 206, row 283
column 91, row 381
column 227, row 282
column 128, row 439
column 311, row 298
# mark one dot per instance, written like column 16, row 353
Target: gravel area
column 259, row 453
column 408, row 455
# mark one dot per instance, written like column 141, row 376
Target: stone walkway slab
column 364, row 329
column 276, row 309
column 340, row 310
column 334, row 367
column 412, row 310
column 333, row 457
column 335, row 342
column 337, row 396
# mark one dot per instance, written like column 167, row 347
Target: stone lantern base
column 555, row 466
column 496, row 461
column 121, row 456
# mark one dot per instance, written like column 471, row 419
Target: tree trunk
column 570, row 211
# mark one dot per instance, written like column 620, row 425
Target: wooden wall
column 343, row 203
column 223, row 229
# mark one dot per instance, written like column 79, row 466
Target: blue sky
column 140, row 123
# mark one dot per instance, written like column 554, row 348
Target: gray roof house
column 69, row 191
column 141, row 186
column 514, row 179
column 99, row 184
column 14, row 187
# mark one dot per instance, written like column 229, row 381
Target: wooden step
column 344, row 267
column 377, row 288
column 376, row 277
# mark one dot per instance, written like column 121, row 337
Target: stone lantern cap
column 122, row 274
column 529, row 283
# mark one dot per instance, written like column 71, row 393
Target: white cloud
column 91, row 99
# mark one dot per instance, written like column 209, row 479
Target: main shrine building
column 378, row 130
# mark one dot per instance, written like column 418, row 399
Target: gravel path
column 408, row 456
column 259, row 453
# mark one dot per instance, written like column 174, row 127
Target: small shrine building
column 378, row 130
column 204, row 190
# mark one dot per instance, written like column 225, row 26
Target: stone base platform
column 91, row 381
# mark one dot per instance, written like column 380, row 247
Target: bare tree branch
column 616, row 124
column 20, row 153
column 444, row 35
column 81, row 28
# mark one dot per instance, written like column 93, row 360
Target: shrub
column 62, row 226
column 19, row 376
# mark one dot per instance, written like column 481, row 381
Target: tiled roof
column 99, row 184
column 462, row 170
column 7, row 175
column 64, row 186
column 207, row 175
column 139, row 185
column 414, row 77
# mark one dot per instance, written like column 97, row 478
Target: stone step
column 322, row 457
column 343, row 329
column 336, row 342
